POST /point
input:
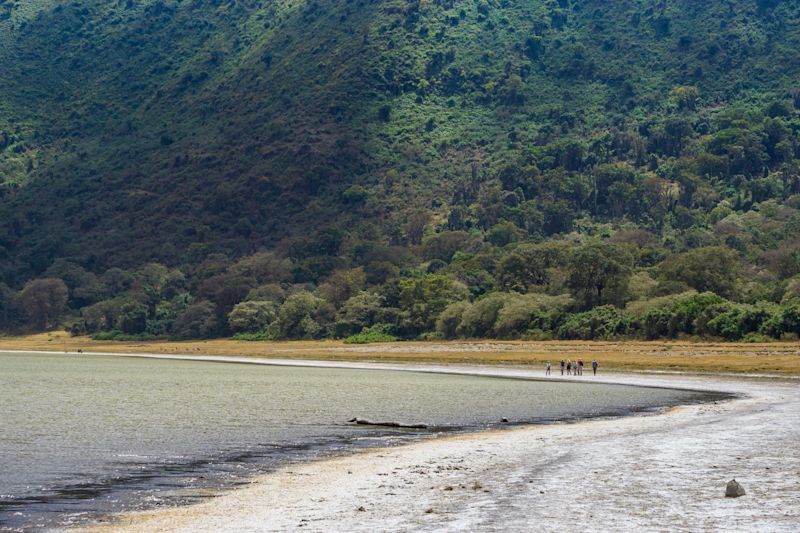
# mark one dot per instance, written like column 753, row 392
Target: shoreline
column 779, row 358
column 491, row 480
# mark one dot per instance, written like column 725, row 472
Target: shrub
column 689, row 314
column 251, row 316
column 197, row 321
column 755, row 337
column 422, row 300
column 377, row 333
column 302, row 316
column 117, row 335
column 604, row 322
column 259, row 336
column 712, row 269
column 450, row 318
column 738, row 321
column 783, row 323
column 133, row 318
column 44, row 300
column 478, row 319
column 524, row 315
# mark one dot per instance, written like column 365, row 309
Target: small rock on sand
column 733, row 489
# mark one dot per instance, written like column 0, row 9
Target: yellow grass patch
column 772, row 358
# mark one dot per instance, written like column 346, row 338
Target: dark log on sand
column 387, row 424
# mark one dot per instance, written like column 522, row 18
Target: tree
column 444, row 245
column 362, row 310
column 117, row 280
column 685, row 96
column 252, row 316
column 478, row 320
column 712, row 268
column 530, row 265
column 415, row 226
column 226, row 290
column 503, row 233
column 450, row 318
column 422, row 299
column 44, row 300
column 526, row 312
column 264, row 267
column 155, row 282
column 302, row 316
column 10, row 313
column 270, row 292
column 84, row 287
column 603, row 322
column 343, row 284
column 595, row 268
column 197, row 321
column 133, row 318
column 101, row 316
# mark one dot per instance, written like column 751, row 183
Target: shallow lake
column 83, row 435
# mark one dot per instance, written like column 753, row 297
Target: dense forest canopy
column 400, row 168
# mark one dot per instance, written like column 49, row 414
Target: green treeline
column 619, row 286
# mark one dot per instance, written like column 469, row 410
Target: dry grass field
column 772, row 358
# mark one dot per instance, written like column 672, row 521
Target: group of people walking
column 575, row 368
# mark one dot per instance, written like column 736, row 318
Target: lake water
column 86, row 435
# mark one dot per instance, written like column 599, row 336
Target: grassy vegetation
column 370, row 336
column 779, row 359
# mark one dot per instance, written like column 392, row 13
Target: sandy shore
column 659, row 472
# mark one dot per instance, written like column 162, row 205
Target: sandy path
column 664, row 472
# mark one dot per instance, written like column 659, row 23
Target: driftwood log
column 361, row 421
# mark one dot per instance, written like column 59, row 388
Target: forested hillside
column 400, row 168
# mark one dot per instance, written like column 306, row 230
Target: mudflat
column 660, row 472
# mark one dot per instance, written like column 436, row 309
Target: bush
column 197, row 321
column 302, row 316
column 377, row 333
column 478, row 319
column 360, row 311
column 530, row 315
column 604, row 322
column 713, row 268
column 252, row 316
column 755, row 337
column 690, row 314
column 117, row 335
column 260, row 336
column 738, row 321
column 782, row 324
column 450, row 318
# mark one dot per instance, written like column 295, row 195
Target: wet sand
column 658, row 472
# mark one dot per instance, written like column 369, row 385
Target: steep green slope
column 172, row 119
column 219, row 122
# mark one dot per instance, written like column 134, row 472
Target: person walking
column 594, row 366
column 563, row 363
column 569, row 367
column 580, row 367
column 547, row 369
